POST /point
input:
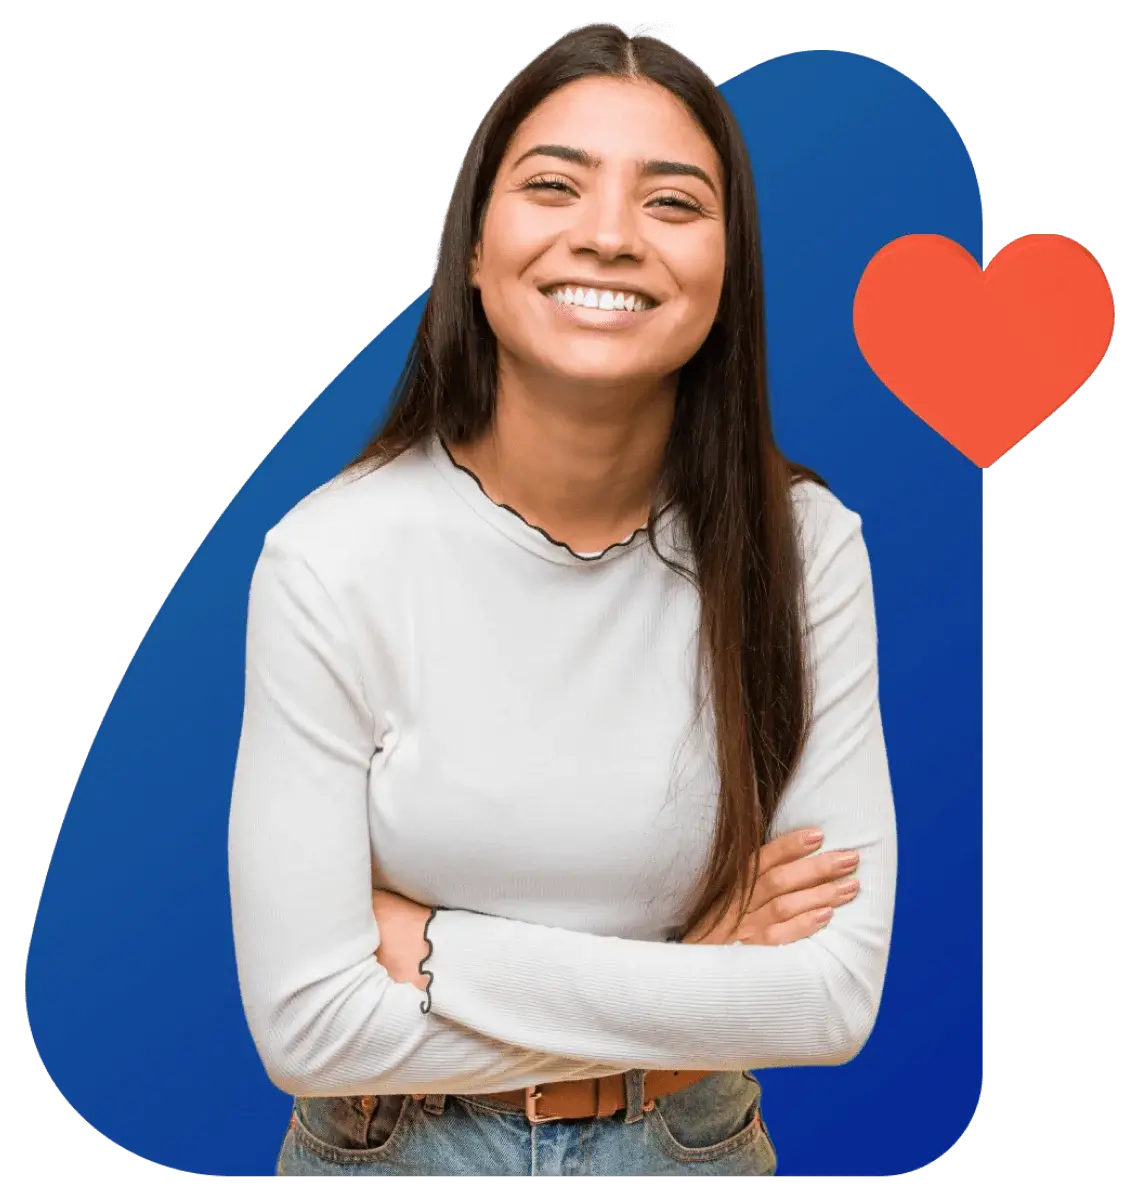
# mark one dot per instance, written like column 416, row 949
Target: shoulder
column 355, row 520
column 831, row 536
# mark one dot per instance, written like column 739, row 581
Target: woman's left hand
column 402, row 936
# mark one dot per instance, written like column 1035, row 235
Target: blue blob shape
column 131, row 980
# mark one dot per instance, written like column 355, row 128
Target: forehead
column 617, row 119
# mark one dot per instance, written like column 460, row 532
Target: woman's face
column 603, row 247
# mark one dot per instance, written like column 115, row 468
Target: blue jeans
column 713, row 1127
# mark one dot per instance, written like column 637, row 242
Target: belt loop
column 434, row 1104
column 633, row 1082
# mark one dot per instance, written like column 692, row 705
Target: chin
column 599, row 363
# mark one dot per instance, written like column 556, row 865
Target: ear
column 475, row 267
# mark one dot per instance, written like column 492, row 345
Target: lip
column 608, row 285
column 598, row 318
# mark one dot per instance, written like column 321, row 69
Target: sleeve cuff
column 426, row 1004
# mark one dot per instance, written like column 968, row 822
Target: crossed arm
column 515, row 1003
column 797, row 893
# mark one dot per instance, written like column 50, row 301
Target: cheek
column 508, row 311
column 513, row 237
column 700, row 272
column 509, row 249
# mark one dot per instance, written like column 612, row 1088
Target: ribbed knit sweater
column 444, row 701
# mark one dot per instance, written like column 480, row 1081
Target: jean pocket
column 351, row 1129
column 717, row 1117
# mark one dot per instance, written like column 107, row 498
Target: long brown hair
column 721, row 464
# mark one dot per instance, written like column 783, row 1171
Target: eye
column 673, row 200
column 548, row 183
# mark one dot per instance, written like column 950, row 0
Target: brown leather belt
column 572, row 1099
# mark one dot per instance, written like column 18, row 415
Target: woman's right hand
column 796, row 894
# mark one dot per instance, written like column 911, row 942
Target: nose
column 607, row 224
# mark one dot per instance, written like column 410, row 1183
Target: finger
column 798, row 928
column 805, row 873
column 788, row 848
column 794, row 904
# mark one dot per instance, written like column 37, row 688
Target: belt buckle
column 531, row 1097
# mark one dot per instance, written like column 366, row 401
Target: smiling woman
column 575, row 217
column 562, row 796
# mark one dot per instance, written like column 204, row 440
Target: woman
column 554, row 693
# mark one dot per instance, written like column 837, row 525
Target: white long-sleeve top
column 442, row 700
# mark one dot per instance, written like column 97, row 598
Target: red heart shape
column 983, row 356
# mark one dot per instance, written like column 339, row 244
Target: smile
column 605, row 300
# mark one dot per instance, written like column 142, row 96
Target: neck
column 581, row 461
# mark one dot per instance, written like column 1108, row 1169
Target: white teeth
column 590, row 298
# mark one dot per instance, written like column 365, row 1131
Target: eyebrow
column 647, row 166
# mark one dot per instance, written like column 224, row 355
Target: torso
column 538, row 749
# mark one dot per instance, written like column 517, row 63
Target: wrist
column 403, row 946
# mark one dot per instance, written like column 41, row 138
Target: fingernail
column 847, row 861
column 848, row 889
column 814, row 837
column 824, row 916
